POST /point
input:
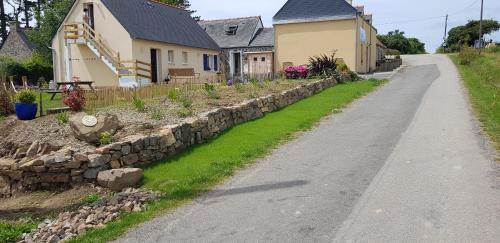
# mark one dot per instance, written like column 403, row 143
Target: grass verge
column 482, row 79
column 10, row 232
column 185, row 176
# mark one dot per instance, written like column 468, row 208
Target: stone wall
column 68, row 166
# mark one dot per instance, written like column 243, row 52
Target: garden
column 146, row 111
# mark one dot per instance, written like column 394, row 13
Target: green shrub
column 35, row 68
column 105, row 138
column 157, row 115
column 2, row 118
column 26, row 96
column 138, row 103
column 323, row 66
column 92, row 198
column 63, row 117
column 467, row 55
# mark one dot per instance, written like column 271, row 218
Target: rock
column 167, row 137
column 130, row 159
column 105, row 123
column 6, row 163
column 4, row 186
column 97, row 160
column 55, row 159
column 33, row 149
column 126, row 149
column 53, row 239
column 118, row 179
column 91, row 173
column 115, row 164
column 73, row 164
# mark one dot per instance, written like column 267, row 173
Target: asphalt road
column 404, row 164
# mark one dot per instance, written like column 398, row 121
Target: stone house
column 248, row 47
column 307, row 28
column 130, row 43
column 17, row 45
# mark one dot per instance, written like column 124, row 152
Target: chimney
column 13, row 25
column 349, row 1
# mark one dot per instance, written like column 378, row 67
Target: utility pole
column 481, row 29
column 445, row 32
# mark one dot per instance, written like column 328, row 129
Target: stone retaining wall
column 67, row 166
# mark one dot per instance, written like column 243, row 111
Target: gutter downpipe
column 357, row 44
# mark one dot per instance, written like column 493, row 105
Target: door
column 154, row 65
column 237, row 64
column 89, row 15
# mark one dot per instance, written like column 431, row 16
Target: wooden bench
column 183, row 73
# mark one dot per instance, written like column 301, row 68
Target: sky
column 414, row 17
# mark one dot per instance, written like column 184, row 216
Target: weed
column 157, row 115
column 185, row 112
column 240, row 87
column 92, row 198
column 186, row 102
column 63, row 117
column 105, row 138
column 211, row 91
column 173, row 94
column 147, row 126
column 467, row 55
column 138, row 103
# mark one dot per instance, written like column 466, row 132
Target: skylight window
column 231, row 30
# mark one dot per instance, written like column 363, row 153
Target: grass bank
column 185, row 176
column 10, row 232
column 482, row 79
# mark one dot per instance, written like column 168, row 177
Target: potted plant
column 26, row 108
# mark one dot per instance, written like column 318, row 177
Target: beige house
column 307, row 28
column 130, row 43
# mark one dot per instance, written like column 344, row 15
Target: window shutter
column 216, row 63
column 206, row 65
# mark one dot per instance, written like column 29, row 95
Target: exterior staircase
column 131, row 73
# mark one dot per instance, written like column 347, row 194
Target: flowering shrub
column 323, row 66
column 75, row 98
column 296, row 72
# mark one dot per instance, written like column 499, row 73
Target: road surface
column 407, row 163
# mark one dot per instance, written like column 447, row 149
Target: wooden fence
column 117, row 95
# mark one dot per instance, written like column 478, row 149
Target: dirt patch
column 41, row 203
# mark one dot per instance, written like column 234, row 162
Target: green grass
column 482, row 79
column 10, row 232
column 47, row 103
column 185, row 176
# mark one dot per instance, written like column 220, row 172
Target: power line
column 466, row 8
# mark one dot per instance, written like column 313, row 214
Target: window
column 255, row 59
column 210, row 62
column 171, row 59
column 231, row 30
column 185, row 57
column 263, row 59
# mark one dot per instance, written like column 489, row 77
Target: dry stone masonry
column 68, row 165
column 70, row 224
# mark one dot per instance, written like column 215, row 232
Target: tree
column 469, row 33
column 396, row 40
column 48, row 24
column 185, row 4
column 3, row 23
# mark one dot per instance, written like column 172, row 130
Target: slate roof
column 149, row 20
column 247, row 27
column 263, row 38
column 296, row 11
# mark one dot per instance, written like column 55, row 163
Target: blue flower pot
column 26, row 112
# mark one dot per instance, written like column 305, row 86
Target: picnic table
column 71, row 85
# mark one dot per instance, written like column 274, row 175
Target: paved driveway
column 404, row 164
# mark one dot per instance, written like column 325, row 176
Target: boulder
column 4, row 186
column 119, row 179
column 105, row 123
